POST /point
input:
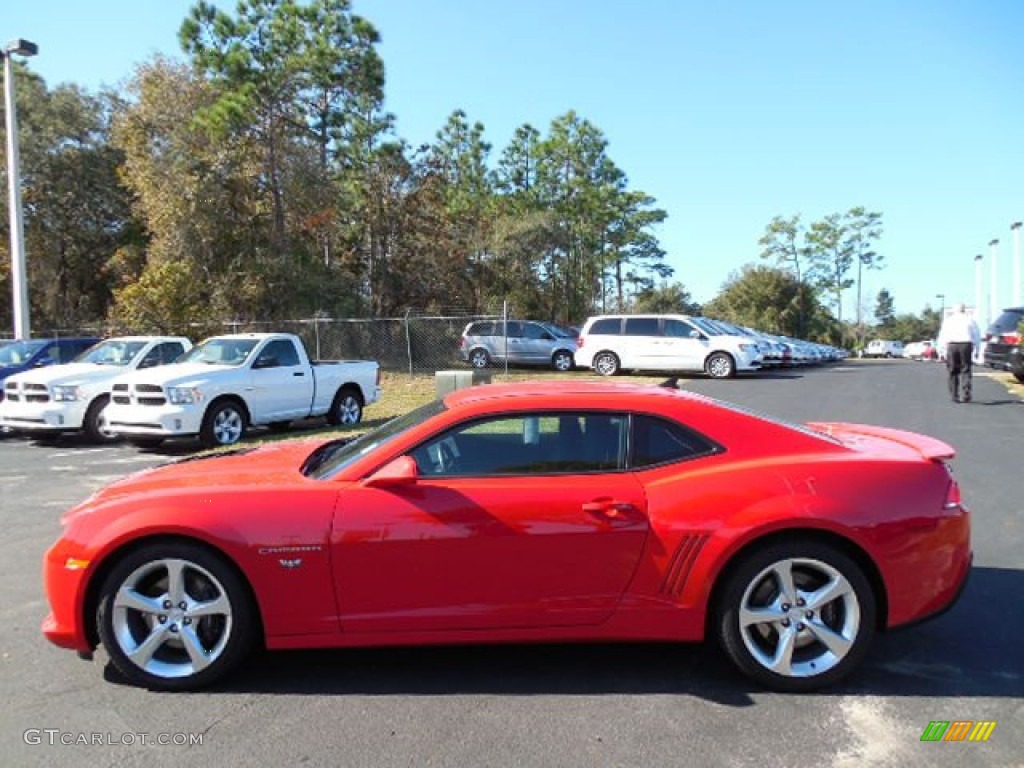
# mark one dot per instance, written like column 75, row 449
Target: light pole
column 977, row 288
column 1015, row 228
column 993, row 296
column 942, row 306
column 19, row 277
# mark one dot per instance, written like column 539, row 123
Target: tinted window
column 515, row 329
column 678, row 329
column 609, row 326
column 279, row 353
column 641, row 326
column 657, row 441
column 171, row 351
column 67, row 350
column 534, row 331
column 481, row 329
column 1007, row 322
column 527, row 444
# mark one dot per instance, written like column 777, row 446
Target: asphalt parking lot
column 650, row 705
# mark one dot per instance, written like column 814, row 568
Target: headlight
column 66, row 394
column 183, row 395
column 748, row 348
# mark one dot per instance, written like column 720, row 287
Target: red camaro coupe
column 519, row 513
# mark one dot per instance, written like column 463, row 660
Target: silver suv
column 526, row 342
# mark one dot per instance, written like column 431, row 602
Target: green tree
column 668, row 298
column 770, row 299
column 864, row 228
column 884, row 312
column 831, row 258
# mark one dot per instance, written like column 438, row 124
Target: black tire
column 478, row 358
column 562, row 361
column 189, row 652
column 606, row 363
column 1019, row 377
column 720, row 365
column 146, row 442
column 225, row 423
column 847, row 619
column 95, row 426
column 347, row 408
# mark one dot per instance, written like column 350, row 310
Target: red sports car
column 538, row 512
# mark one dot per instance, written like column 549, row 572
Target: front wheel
column 95, row 423
column 721, row 366
column 224, row 424
column 347, row 409
column 606, row 363
column 174, row 616
column 796, row 616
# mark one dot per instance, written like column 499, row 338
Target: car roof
column 571, row 391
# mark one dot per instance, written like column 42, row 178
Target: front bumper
column 155, row 420
column 43, row 417
column 65, row 589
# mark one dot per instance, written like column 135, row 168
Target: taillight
column 1010, row 338
column 952, row 495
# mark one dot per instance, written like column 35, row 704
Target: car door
column 680, row 350
column 642, row 336
column 282, row 388
column 536, row 344
column 514, row 521
column 511, row 346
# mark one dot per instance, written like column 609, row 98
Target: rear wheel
column 479, row 358
column 606, row 363
column 796, row 616
column 174, row 616
column 562, row 361
column 347, row 408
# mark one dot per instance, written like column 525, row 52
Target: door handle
column 611, row 511
column 298, row 373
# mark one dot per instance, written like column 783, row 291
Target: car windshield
column 19, row 352
column 220, row 352
column 114, row 352
column 562, row 333
column 330, row 458
column 705, row 325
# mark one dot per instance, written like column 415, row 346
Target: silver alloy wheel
column 171, row 618
column 562, row 361
column 606, row 364
column 228, row 425
column 479, row 358
column 720, row 366
column 799, row 617
column 349, row 410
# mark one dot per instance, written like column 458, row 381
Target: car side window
column 279, row 353
column 171, row 351
column 677, row 329
column 535, row 332
column 528, row 444
column 515, row 329
column 658, row 441
column 65, row 351
column 641, row 326
column 609, row 326
column 152, row 358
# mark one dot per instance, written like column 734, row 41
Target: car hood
column 175, row 374
column 273, row 466
column 71, row 373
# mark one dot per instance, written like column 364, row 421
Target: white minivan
column 678, row 343
column 884, row 348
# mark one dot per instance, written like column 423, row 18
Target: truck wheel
column 95, row 424
column 224, row 424
column 346, row 409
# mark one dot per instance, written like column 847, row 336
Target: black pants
column 958, row 363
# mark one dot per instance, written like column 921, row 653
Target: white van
column 883, row 348
column 678, row 343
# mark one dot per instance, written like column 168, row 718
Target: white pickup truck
column 229, row 383
column 74, row 396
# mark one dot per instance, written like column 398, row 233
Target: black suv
column 1004, row 343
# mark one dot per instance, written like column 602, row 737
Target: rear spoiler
column 928, row 447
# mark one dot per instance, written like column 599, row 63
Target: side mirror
column 265, row 362
column 400, row 471
column 43, row 361
column 695, row 335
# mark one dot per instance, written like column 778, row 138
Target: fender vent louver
column 682, row 561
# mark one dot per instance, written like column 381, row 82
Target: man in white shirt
column 958, row 336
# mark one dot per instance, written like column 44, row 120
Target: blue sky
column 727, row 113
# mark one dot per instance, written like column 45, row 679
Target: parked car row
column 1004, row 343
column 610, row 344
column 921, row 350
column 149, row 388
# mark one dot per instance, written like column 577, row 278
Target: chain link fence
column 414, row 343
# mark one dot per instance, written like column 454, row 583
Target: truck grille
column 144, row 394
column 28, row 393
